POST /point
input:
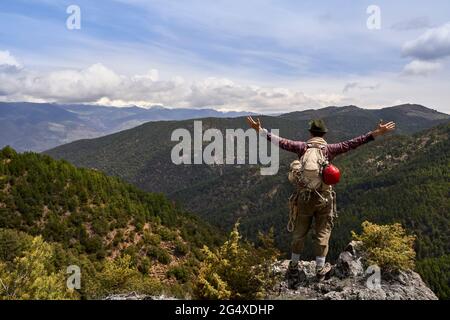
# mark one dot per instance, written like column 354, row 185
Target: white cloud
column 420, row 67
column 101, row 85
column 79, row 85
column 225, row 94
column 356, row 85
column 8, row 63
column 433, row 44
column 7, row 59
column 98, row 84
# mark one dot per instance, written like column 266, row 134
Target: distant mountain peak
column 349, row 107
column 409, row 109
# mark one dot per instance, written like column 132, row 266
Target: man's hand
column 383, row 128
column 254, row 124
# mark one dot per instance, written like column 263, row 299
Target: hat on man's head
column 317, row 126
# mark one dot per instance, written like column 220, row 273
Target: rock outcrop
column 136, row 296
column 348, row 280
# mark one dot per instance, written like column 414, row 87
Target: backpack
column 306, row 173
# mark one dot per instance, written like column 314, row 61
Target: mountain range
column 399, row 178
column 142, row 155
column 41, row 126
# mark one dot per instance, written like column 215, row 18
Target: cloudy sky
column 254, row 55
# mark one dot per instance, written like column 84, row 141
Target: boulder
column 348, row 265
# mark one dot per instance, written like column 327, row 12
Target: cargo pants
column 311, row 208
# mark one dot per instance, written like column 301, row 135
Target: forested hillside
column 401, row 178
column 121, row 237
column 404, row 179
column 141, row 155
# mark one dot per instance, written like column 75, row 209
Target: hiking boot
column 293, row 276
column 322, row 272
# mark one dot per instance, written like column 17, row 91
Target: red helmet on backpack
column 331, row 175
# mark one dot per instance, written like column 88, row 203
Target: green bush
column 166, row 234
column 29, row 275
column 181, row 248
column 120, row 276
column 387, row 246
column 160, row 254
column 164, row 257
column 151, row 238
column 180, row 273
column 145, row 265
column 237, row 270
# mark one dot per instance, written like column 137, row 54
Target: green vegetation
column 404, row 180
column 436, row 271
column 179, row 272
column 126, row 239
column 387, row 246
column 28, row 273
column 141, row 155
column 118, row 276
column 237, row 270
column 398, row 179
column 401, row 179
column 53, row 215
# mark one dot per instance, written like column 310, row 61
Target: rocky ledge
column 136, row 296
column 348, row 280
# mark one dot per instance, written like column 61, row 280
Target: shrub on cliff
column 30, row 274
column 237, row 270
column 387, row 246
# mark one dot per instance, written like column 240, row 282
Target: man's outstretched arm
column 342, row 147
column 285, row 144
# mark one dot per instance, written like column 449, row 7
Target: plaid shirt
column 331, row 150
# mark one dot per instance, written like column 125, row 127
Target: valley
column 401, row 178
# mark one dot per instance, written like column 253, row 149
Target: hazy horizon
column 281, row 111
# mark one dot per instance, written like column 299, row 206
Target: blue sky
column 266, row 56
